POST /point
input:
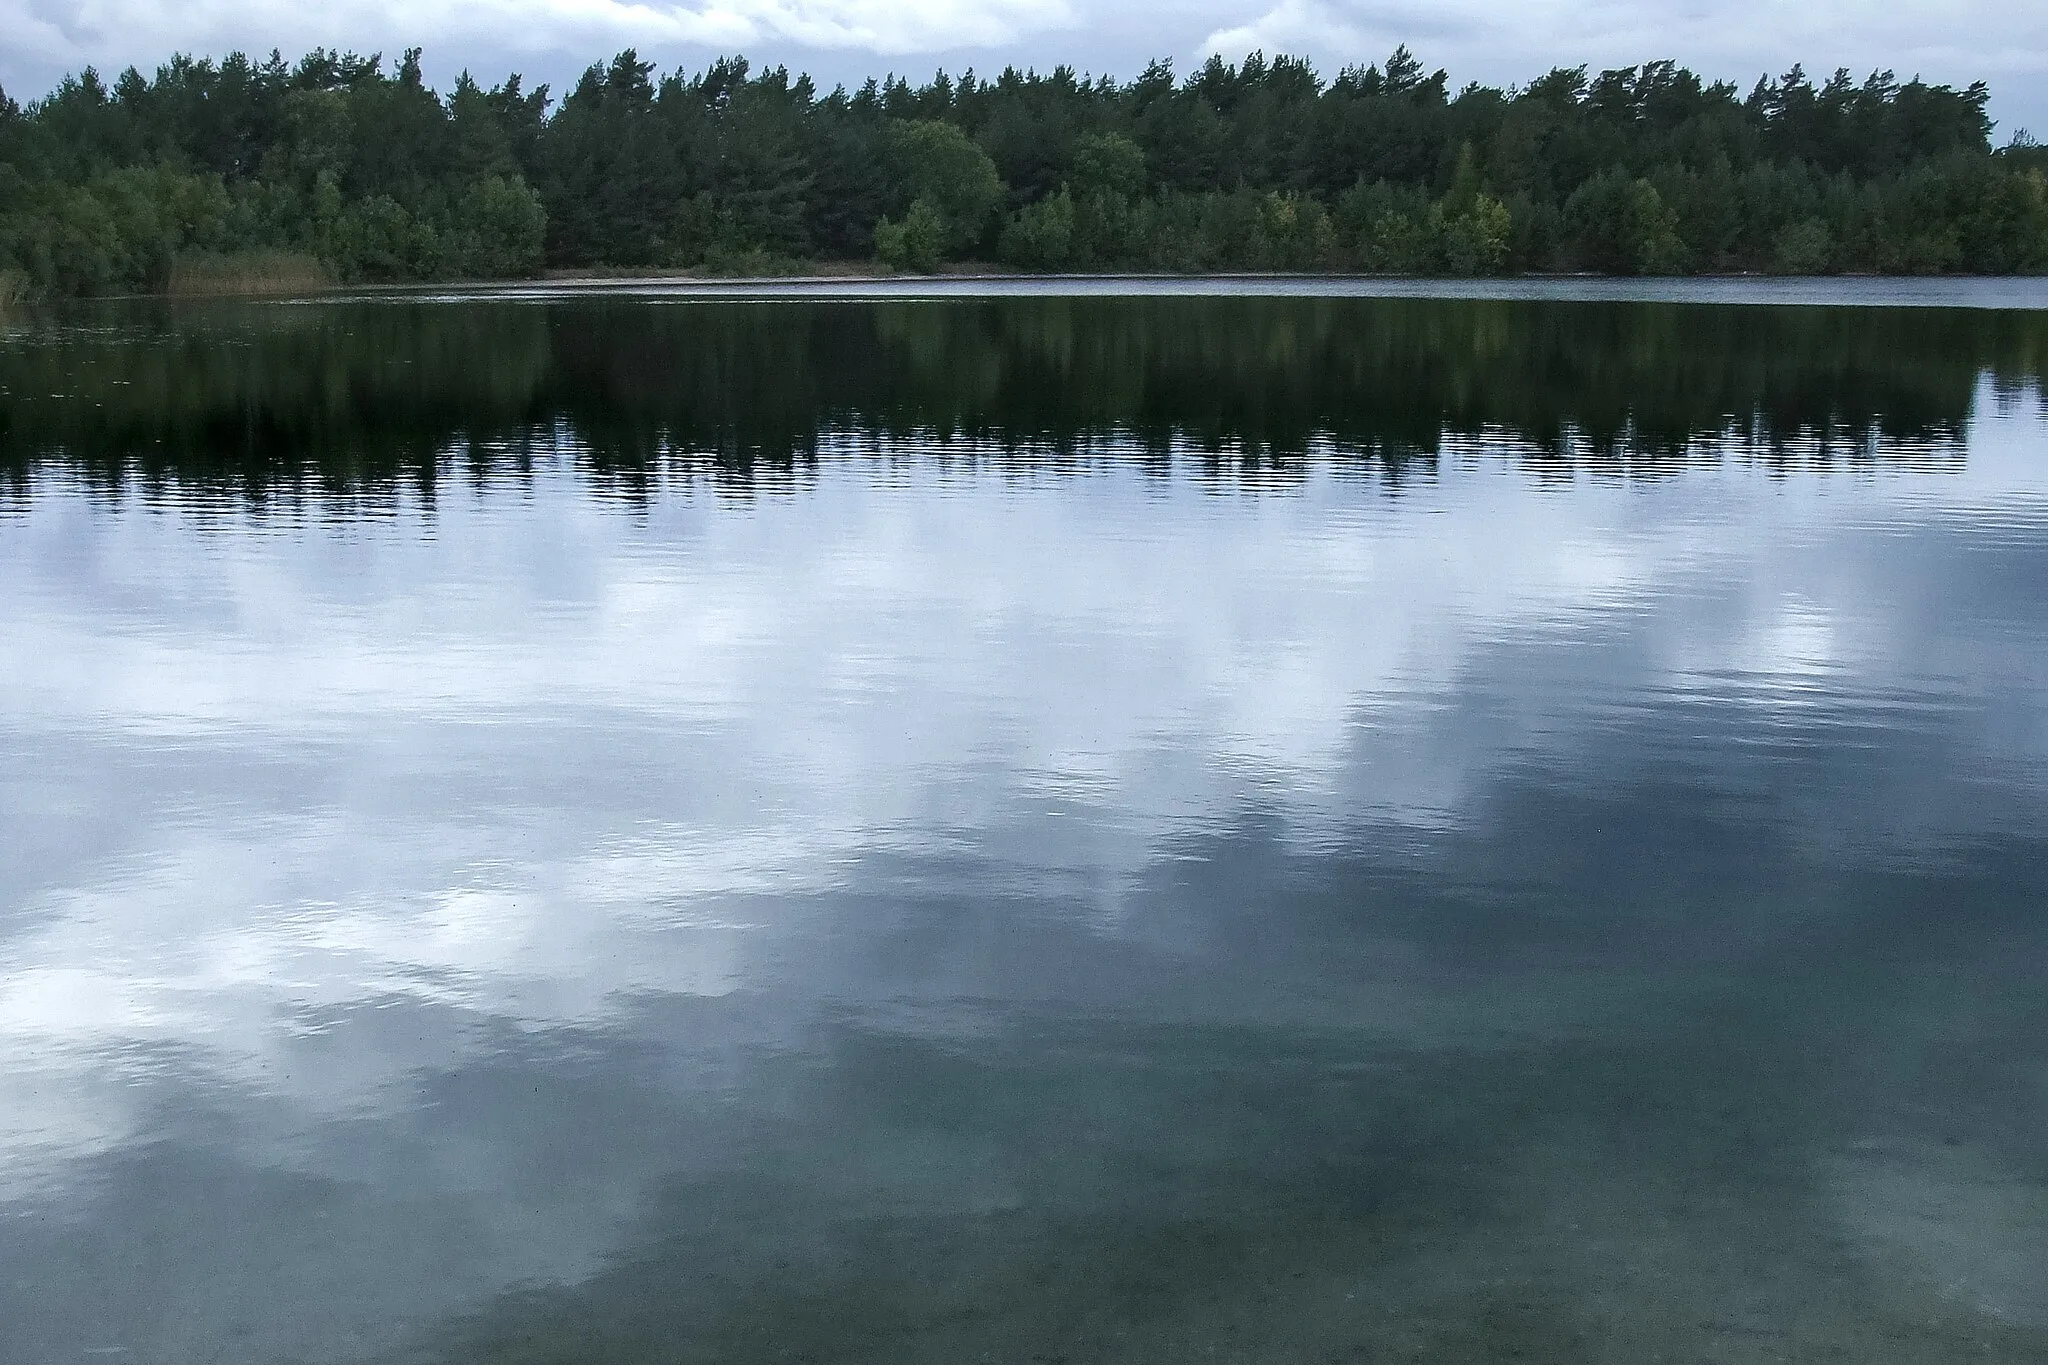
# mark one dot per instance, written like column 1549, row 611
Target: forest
column 224, row 176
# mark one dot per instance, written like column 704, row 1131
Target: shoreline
column 2027, row 293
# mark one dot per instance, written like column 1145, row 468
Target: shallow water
column 1023, row 828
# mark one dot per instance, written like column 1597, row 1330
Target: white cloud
column 1502, row 43
column 114, row 33
column 1291, row 26
column 1488, row 40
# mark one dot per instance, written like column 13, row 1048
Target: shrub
column 917, row 243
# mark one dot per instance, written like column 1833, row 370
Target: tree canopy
column 358, row 170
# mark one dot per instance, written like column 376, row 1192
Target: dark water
column 1023, row 829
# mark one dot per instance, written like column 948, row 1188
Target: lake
column 1034, row 823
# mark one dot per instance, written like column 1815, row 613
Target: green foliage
column 498, row 228
column 1804, row 248
column 1288, row 232
column 1386, row 227
column 940, row 167
column 1040, row 236
column 234, row 168
column 917, row 243
column 1107, row 166
column 1106, row 182
column 116, row 232
column 1475, row 240
column 1262, row 165
column 1622, row 226
column 1392, row 229
column 2003, row 222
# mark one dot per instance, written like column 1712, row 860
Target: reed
column 13, row 288
column 247, row 273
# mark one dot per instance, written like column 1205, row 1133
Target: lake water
column 1031, row 827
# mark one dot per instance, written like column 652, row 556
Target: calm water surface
column 1026, row 829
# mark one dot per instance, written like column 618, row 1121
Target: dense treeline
column 341, row 166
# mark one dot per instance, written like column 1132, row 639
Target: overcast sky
column 1496, row 41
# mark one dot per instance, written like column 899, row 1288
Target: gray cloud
column 1486, row 40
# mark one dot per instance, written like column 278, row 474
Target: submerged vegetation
column 246, row 174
